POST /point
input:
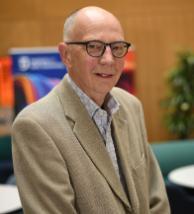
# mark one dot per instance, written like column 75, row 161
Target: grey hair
column 69, row 24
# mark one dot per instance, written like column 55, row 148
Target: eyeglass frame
column 85, row 43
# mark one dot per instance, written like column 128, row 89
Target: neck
column 98, row 99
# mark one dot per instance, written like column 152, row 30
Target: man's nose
column 107, row 57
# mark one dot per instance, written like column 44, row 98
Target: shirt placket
column 111, row 148
column 103, row 122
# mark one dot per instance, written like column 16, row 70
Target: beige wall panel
column 19, row 34
column 18, row 10
column 157, row 29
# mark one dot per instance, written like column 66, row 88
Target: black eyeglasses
column 96, row 48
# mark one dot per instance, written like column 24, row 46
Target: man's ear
column 64, row 54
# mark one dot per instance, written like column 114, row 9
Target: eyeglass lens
column 97, row 48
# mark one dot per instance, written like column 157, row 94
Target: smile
column 104, row 75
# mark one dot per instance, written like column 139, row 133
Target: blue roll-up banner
column 40, row 60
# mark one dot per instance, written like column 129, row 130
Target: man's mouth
column 104, row 75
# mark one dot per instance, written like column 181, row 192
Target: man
column 83, row 147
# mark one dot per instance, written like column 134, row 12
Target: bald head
column 77, row 22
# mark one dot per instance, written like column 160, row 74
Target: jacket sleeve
column 41, row 173
column 158, row 200
column 158, row 197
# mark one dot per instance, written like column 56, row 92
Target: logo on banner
column 44, row 61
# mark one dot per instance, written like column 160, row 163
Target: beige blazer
column 62, row 166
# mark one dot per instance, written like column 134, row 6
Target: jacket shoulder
column 41, row 109
column 125, row 98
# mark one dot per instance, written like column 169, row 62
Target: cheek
column 89, row 65
column 120, row 66
column 86, row 69
column 121, row 63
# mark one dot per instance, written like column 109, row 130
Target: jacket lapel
column 125, row 138
column 89, row 137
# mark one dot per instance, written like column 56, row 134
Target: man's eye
column 91, row 46
column 94, row 46
column 117, row 48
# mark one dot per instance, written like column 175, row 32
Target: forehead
column 97, row 24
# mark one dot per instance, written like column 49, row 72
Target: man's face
column 96, row 75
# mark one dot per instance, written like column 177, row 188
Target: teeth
column 104, row 75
